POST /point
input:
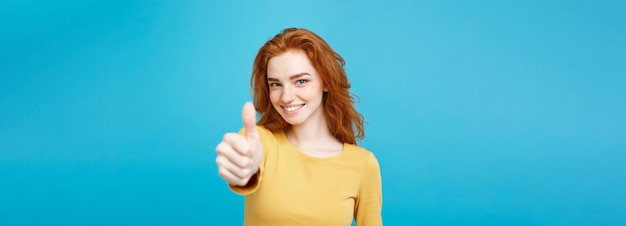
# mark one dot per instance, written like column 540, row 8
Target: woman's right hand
column 239, row 156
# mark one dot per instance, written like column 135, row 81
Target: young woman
column 300, row 164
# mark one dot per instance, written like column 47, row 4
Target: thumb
column 248, row 114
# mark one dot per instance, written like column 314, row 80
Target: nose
column 288, row 94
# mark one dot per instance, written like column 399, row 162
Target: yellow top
column 292, row 188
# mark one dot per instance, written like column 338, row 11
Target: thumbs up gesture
column 239, row 156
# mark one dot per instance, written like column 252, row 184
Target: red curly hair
column 342, row 117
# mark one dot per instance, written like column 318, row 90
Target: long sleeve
column 368, row 205
column 292, row 188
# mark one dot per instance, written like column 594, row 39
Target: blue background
column 481, row 113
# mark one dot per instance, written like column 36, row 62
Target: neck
column 310, row 134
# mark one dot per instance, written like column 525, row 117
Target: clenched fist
column 239, row 156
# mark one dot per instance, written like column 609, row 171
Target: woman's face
column 296, row 89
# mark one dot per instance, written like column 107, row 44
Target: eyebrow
column 290, row 77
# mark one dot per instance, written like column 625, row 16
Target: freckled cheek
column 274, row 97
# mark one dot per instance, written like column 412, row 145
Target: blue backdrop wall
column 480, row 112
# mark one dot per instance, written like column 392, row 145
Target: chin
column 293, row 121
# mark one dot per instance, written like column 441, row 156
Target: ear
column 325, row 88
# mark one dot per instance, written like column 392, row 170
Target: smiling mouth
column 293, row 108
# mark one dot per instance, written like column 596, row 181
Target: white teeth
column 293, row 108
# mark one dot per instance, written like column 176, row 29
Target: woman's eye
column 274, row 84
column 301, row 81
